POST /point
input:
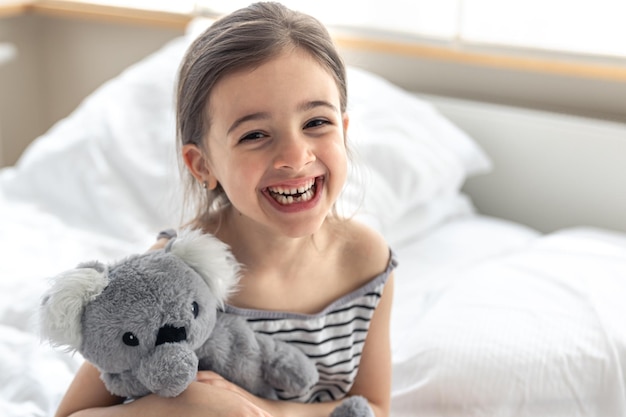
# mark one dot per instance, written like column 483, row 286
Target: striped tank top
column 333, row 338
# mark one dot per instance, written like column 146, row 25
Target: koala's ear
column 211, row 258
column 63, row 304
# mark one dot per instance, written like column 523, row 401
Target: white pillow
column 110, row 166
column 407, row 154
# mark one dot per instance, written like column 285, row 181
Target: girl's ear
column 345, row 119
column 198, row 165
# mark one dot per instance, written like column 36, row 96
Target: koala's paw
column 356, row 406
column 292, row 372
column 170, row 370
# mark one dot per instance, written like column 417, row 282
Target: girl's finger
column 216, row 380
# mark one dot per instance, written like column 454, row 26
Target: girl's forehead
column 293, row 74
column 283, row 60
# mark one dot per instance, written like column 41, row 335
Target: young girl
column 261, row 113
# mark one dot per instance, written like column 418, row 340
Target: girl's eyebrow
column 247, row 118
column 302, row 107
column 308, row 105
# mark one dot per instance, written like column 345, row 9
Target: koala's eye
column 130, row 339
column 195, row 309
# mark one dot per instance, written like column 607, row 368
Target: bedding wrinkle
column 578, row 276
column 568, row 352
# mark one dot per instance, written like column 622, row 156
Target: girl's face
column 277, row 143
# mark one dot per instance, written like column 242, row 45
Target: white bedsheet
column 529, row 328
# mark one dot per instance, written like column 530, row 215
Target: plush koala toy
column 150, row 321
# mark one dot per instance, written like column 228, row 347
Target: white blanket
column 534, row 330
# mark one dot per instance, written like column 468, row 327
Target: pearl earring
column 204, row 185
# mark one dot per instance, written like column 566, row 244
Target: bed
column 490, row 317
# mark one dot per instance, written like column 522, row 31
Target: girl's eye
column 252, row 136
column 316, row 123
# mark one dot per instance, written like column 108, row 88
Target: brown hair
column 243, row 39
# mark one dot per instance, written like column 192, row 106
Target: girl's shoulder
column 364, row 252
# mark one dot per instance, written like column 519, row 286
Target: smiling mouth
column 291, row 195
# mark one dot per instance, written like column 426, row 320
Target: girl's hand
column 243, row 401
column 213, row 397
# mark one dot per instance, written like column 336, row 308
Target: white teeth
column 292, row 191
column 294, row 195
column 286, row 200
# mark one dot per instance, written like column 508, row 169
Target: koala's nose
column 171, row 334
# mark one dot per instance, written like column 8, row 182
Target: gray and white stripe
column 333, row 338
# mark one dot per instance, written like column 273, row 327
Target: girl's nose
column 293, row 153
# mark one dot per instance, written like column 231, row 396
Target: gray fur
column 355, row 406
column 150, row 321
column 152, row 296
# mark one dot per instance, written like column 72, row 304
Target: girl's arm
column 88, row 397
column 374, row 378
column 86, row 391
column 159, row 244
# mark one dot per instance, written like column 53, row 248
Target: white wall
column 21, row 87
column 550, row 171
column 59, row 62
column 582, row 96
